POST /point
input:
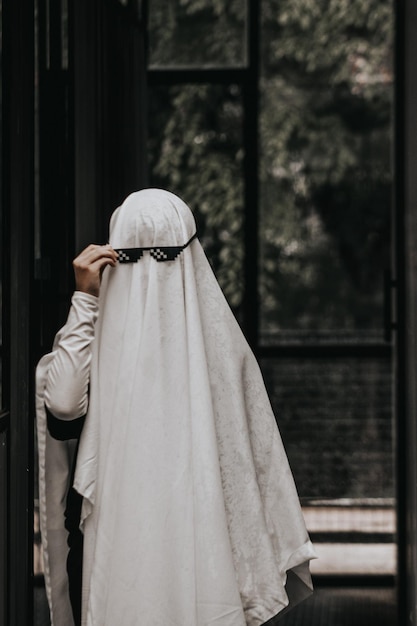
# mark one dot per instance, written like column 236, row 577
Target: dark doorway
column 276, row 124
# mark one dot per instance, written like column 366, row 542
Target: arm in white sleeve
column 66, row 392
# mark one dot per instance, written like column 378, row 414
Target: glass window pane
column 326, row 93
column 195, row 150
column 335, row 420
column 199, row 33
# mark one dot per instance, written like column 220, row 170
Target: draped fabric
column 190, row 512
column 56, row 459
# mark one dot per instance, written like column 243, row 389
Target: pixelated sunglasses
column 159, row 253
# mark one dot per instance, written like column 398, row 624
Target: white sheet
column 190, row 513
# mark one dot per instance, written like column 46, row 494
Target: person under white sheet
column 160, row 457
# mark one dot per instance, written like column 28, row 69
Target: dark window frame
column 247, row 78
column 17, row 202
column 389, row 349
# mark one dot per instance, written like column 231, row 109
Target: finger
column 92, row 254
column 93, row 271
column 100, row 264
column 88, row 275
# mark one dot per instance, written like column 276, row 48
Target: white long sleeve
column 66, row 392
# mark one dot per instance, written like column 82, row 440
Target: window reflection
column 196, row 151
column 326, row 92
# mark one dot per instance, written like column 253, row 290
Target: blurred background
column 287, row 127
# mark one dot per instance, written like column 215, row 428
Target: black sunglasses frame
column 159, row 253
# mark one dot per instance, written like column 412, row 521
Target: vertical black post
column 251, row 166
column 406, row 262
column 18, row 125
column 84, row 30
column 55, row 225
column 400, row 354
column 108, row 69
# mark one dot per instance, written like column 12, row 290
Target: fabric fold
column 190, row 515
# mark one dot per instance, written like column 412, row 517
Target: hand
column 89, row 265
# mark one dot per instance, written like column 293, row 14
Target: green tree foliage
column 199, row 156
column 325, row 182
column 197, row 32
column 325, row 136
column 325, row 130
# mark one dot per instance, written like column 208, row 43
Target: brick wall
column 335, row 418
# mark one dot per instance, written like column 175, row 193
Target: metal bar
column 184, row 75
column 389, row 324
column 355, row 580
column 4, row 525
column 144, row 16
column 64, row 34
column 54, row 35
column 351, row 536
column 251, row 178
column 18, row 138
column 370, row 351
column 4, row 421
column 54, row 180
column 404, row 423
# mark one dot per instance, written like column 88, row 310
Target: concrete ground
column 341, row 606
column 349, row 541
